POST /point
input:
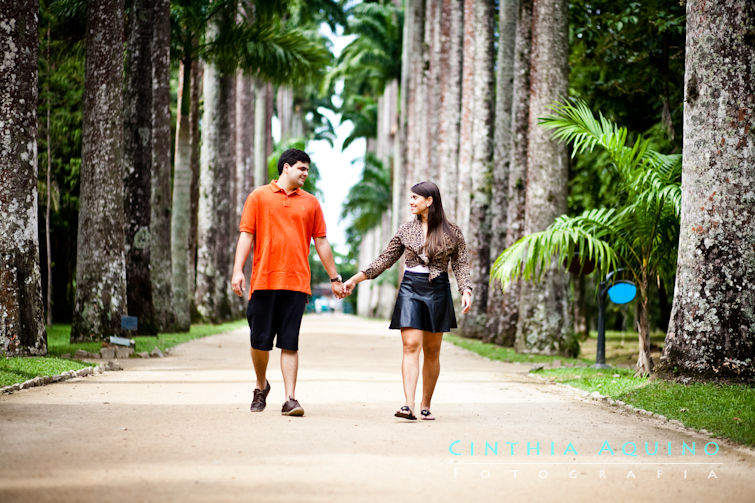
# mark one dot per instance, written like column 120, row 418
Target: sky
column 339, row 170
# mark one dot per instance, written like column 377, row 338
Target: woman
column 424, row 308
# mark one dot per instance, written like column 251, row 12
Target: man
column 280, row 220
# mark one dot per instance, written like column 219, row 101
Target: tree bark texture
column 501, row 160
column 137, row 161
column 22, row 324
column 474, row 324
column 427, row 166
column 451, row 30
column 217, row 166
column 416, row 131
column 466, row 131
column 160, row 220
column 197, row 78
column 544, row 322
column 712, row 326
column 260, row 134
column 520, row 111
column 101, row 264
column 243, row 177
column 181, row 203
column 285, row 108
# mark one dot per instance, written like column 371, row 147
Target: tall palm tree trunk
column 217, row 164
column 137, row 159
column 100, row 258
column 517, row 178
column 478, row 236
column 466, row 131
column 501, row 159
column 22, row 324
column 160, row 219
column 197, row 79
column 260, row 134
column 712, row 326
column 451, row 30
column 243, row 184
column 181, row 204
column 544, row 321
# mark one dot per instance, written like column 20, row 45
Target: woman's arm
column 387, row 258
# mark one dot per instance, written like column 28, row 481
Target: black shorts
column 275, row 312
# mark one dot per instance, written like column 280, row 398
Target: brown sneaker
column 258, row 401
column 292, row 408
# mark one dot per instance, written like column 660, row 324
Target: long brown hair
column 437, row 223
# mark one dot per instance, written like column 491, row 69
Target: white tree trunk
column 544, row 321
column 100, row 258
column 712, row 327
column 244, row 175
column 217, row 166
column 451, row 30
column 474, row 324
column 22, row 324
column 181, row 203
column 466, row 131
column 260, row 135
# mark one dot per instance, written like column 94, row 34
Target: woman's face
column 418, row 204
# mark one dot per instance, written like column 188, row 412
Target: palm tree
column 100, row 258
column 256, row 40
column 22, row 330
column 638, row 237
column 712, row 329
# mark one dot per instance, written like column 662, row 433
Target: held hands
column 338, row 289
column 466, row 301
column 349, row 286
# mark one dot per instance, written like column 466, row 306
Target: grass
column 500, row 353
column 58, row 337
column 19, row 369
column 725, row 410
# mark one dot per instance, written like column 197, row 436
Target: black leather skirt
column 423, row 304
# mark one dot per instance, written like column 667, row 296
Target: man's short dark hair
column 291, row 157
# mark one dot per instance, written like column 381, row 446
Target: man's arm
column 326, row 257
column 243, row 247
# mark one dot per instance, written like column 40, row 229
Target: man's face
column 297, row 173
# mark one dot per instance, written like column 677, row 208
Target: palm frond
column 589, row 235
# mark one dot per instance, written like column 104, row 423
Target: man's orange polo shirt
column 283, row 226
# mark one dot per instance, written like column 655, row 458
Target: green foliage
column 639, row 235
column 627, row 59
column 367, row 200
column 503, row 354
column 373, row 58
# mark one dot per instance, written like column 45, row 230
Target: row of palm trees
column 482, row 127
column 141, row 238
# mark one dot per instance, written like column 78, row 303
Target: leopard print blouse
column 411, row 238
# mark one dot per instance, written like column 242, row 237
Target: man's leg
column 289, row 369
column 259, row 361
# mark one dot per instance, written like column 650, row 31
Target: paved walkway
column 179, row 429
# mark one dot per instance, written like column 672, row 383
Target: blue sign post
column 620, row 292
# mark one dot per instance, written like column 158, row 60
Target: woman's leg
column 412, row 340
column 431, row 367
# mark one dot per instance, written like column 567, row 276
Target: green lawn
column 19, row 369
column 726, row 410
column 16, row 370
